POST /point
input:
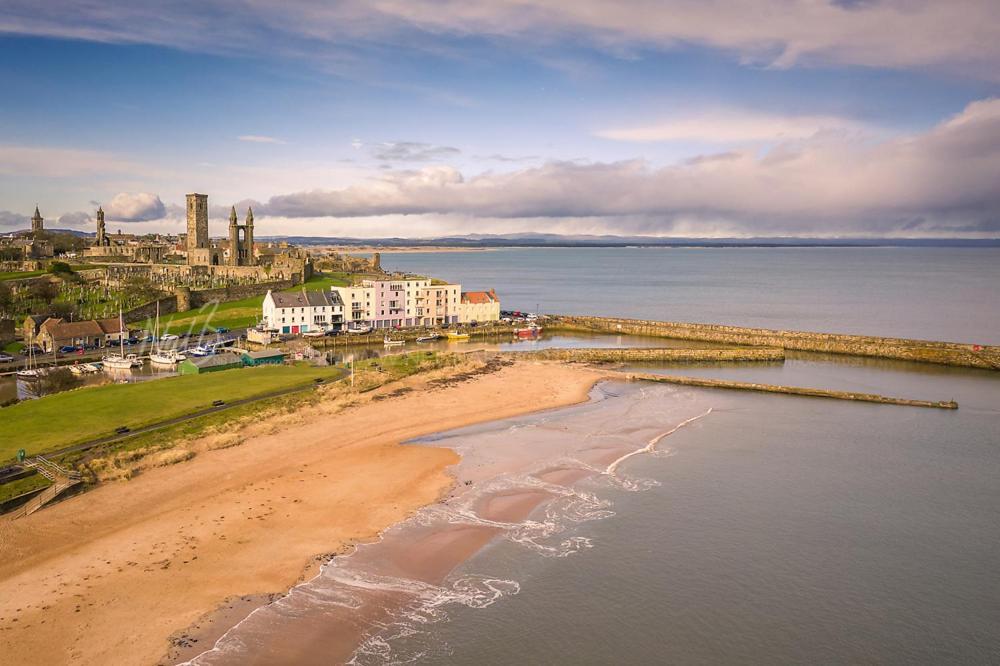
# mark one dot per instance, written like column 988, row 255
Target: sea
column 658, row 524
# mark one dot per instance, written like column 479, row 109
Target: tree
column 60, row 267
column 6, row 298
column 46, row 290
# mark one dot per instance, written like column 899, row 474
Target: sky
column 422, row 118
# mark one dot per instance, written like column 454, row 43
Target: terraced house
column 303, row 311
column 409, row 301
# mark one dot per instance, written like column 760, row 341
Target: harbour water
column 658, row 524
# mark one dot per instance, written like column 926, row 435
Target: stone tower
column 197, row 228
column 240, row 249
column 102, row 237
column 248, row 227
column 37, row 222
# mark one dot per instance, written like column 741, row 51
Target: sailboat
column 31, row 370
column 120, row 361
column 159, row 356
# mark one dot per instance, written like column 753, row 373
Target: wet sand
column 110, row 576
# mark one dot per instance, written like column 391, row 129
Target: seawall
column 923, row 351
column 640, row 355
column 791, row 390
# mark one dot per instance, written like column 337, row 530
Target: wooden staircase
column 61, row 479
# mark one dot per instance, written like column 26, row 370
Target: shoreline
column 165, row 551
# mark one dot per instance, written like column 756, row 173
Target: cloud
column 137, row 207
column 76, row 219
column 411, row 151
column 257, row 138
column 962, row 35
column 943, row 180
column 734, row 127
column 13, row 221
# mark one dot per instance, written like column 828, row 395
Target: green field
column 81, row 415
column 239, row 314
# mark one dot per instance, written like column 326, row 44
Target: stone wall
column 146, row 312
column 237, row 291
column 924, row 351
column 639, row 355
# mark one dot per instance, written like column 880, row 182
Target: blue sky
column 413, row 120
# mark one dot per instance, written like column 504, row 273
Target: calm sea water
column 935, row 293
column 773, row 529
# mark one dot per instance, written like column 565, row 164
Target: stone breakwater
column 924, row 351
column 791, row 390
column 640, row 355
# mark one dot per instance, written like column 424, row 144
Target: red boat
column 529, row 332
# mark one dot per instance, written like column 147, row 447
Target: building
column 55, row 333
column 241, row 240
column 265, row 357
column 302, row 311
column 37, row 222
column 401, row 301
column 199, row 252
column 201, row 364
column 479, row 306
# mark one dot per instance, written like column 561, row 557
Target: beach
column 111, row 576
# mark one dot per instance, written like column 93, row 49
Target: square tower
column 197, row 221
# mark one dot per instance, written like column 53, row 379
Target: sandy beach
column 110, row 576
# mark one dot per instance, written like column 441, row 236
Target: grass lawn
column 21, row 486
column 76, row 416
column 13, row 347
column 242, row 313
column 21, row 274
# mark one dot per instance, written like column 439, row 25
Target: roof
column 264, row 353
column 479, row 297
column 60, row 330
column 305, row 298
column 215, row 360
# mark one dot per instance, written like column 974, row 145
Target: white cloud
column 733, row 127
column 137, row 207
column 412, row 151
column 257, row 138
column 943, row 180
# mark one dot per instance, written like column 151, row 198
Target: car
column 121, row 430
column 67, row 349
column 5, row 357
column 168, row 336
column 473, row 324
column 221, row 329
column 218, row 403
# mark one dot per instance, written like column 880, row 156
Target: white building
column 401, row 302
column 303, row 311
column 479, row 306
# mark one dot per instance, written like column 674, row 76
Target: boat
column 77, row 369
column 360, row 330
column 389, row 342
column 528, row 332
column 200, row 351
column 121, row 361
column 456, row 336
column 429, row 338
column 166, row 357
column 91, row 367
column 160, row 356
column 318, row 333
column 31, row 370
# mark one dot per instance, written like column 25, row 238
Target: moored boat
column 429, row 338
column 457, row 336
column 528, row 332
column 389, row 342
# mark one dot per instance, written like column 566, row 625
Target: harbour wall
column 923, row 351
column 791, row 390
column 640, row 355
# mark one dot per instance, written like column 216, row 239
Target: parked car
column 169, row 336
column 221, row 329
column 5, row 357
column 67, row 349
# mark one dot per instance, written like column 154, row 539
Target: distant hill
column 556, row 240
